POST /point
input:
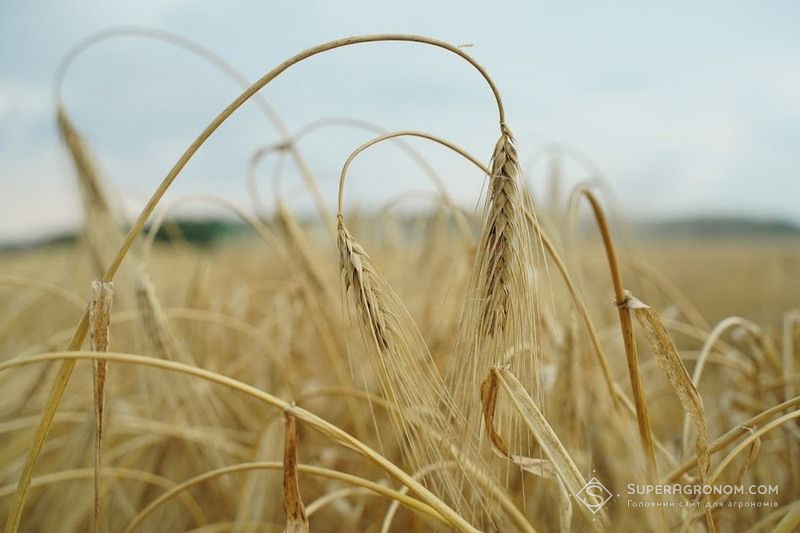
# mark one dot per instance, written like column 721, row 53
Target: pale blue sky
column 687, row 107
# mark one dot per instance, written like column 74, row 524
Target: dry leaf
column 551, row 445
column 99, row 322
column 670, row 362
column 296, row 519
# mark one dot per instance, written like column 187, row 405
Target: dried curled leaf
column 539, row 467
column 296, row 519
column 671, row 364
column 489, row 403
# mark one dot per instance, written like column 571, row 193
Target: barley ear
column 502, row 230
column 500, row 315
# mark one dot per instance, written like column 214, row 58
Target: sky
column 687, row 108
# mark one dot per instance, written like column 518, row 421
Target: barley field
column 534, row 364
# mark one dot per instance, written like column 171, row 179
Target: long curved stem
column 65, row 372
column 253, row 89
column 626, row 325
column 393, row 135
column 463, row 226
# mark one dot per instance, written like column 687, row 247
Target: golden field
column 236, row 310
